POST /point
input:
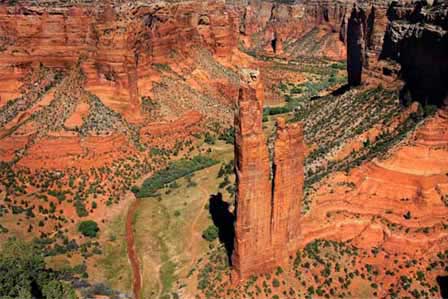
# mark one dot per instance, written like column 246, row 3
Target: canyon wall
column 122, row 45
column 268, row 211
column 417, row 38
column 272, row 28
column 364, row 36
column 117, row 45
column 356, row 45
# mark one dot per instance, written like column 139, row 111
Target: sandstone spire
column 252, row 250
column 288, row 189
column 268, row 212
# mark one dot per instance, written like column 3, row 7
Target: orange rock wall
column 271, row 26
column 117, row 47
column 268, row 212
column 252, row 250
column 288, row 189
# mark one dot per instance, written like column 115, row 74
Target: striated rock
column 252, row 247
column 272, row 28
column 118, row 46
column 268, row 212
column 288, row 189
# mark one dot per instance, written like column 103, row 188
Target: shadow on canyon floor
column 443, row 285
column 223, row 219
column 338, row 92
column 341, row 90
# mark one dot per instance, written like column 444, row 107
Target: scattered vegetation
column 24, row 274
column 174, row 171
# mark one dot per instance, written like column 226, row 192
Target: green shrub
column 296, row 90
column 174, row 171
column 211, row 233
column 81, row 209
column 23, row 272
column 275, row 110
column 89, row 228
column 135, row 189
column 209, row 139
column 228, row 135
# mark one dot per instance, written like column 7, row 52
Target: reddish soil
column 132, row 253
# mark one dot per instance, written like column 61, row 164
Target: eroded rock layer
column 268, row 212
column 117, row 46
column 288, row 189
column 252, row 250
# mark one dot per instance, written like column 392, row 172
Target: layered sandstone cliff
column 118, row 45
column 291, row 30
column 268, row 212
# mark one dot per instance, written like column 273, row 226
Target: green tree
column 24, row 275
column 89, row 228
column 135, row 189
column 211, row 233
column 57, row 290
column 20, row 268
column 209, row 139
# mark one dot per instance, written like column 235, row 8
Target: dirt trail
column 132, row 252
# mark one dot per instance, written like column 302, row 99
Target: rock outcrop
column 363, row 33
column 252, row 250
column 268, row 212
column 288, row 189
column 417, row 38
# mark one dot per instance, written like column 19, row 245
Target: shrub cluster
column 174, row 171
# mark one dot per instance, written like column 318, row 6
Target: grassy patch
column 115, row 261
column 174, row 171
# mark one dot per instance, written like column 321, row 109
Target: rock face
column 288, row 189
column 364, row 37
column 268, row 211
column 252, row 250
column 269, row 28
column 417, row 38
column 118, row 45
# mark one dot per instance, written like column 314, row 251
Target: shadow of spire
column 223, row 219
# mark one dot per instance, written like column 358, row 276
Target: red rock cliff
column 118, row 45
column 252, row 250
column 268, row 212
column 285, row 29
column 288, row 189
